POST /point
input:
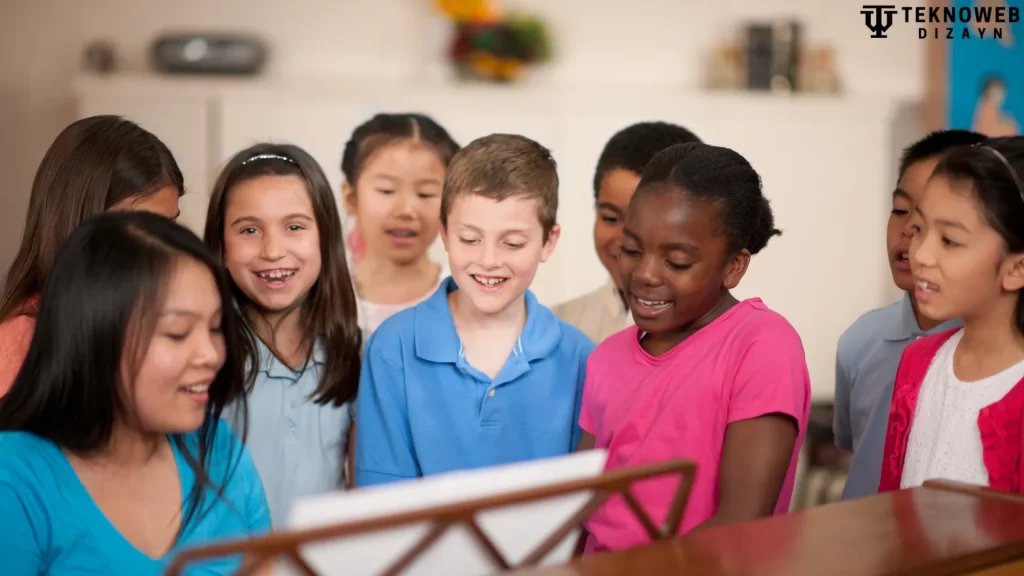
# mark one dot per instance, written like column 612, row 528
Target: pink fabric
column 747, row 363
column 15, row 337
column 356, row 245
column 1000, row 425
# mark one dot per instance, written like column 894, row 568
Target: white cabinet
column 827, row 165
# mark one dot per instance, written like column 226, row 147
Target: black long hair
column 107, row 277
column 994, row 170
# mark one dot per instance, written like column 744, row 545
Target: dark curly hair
column 634, row 146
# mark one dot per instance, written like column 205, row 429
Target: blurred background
column 800, row 87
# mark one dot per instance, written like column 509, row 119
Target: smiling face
column 674, row 265
column 271, row 241
column 909, row 191
column 168, row 391
column 959, row 262
column 397, row 201
column 494, row 249
column 613, row 196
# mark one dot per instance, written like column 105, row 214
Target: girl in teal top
column 113, row 456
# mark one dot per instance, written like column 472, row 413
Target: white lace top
column 945, row 442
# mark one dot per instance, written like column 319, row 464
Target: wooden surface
column 926, row 531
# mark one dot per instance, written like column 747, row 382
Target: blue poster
column 986, row 75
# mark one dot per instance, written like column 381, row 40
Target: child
column 394, row 169
column 869, row 350
column 274, row 222
column 604, row 311
column 96, row 164
column 701, row 376
column 958, row 400
column 113, row 457
column 479, row 374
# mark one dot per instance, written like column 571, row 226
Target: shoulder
column 20, row 448
column 923, row 350
column 388, row 338
column 28, row 463
column 867, row 329
column 572, row 310
column 573, row 339
column 756, row 322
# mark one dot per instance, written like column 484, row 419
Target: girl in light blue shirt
column 274, row 222
column 113, row 456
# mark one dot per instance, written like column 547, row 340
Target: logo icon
column 882, row 18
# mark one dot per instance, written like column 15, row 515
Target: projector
column 209, row 54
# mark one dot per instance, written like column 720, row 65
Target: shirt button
column 491, row 393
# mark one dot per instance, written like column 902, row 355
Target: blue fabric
column 298, row 446
column 50, row 525
column 866, row 361
column 422, row 409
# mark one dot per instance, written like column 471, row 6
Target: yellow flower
column 468, row 10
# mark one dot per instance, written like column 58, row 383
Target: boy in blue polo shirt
column 480, row 374
column 869, row 351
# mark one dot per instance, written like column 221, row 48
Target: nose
column 908, row 228
column 272, row 248
column 488, row 256
column 209, row 351
column 921, row 252
column 403, row 206
column 648, row 271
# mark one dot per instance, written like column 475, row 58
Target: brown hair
column 384, row 129
column 503, row 166
column 92, row 165
column 329, row 312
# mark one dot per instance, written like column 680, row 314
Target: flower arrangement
column 490, row 44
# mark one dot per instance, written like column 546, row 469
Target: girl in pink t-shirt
column 702, row 375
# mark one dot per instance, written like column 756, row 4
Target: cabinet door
column 182, row 123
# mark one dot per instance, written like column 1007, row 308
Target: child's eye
column 629, row 252
column 899, row 212
column 949, row 242
column 679, row 267
column 468, row 241
column 610, row 219
column 385, row 192
column 515, row 246
column 176, row 336
column 249, row 230
column 425, row 196
column 295, row 228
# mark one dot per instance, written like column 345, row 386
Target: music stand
column 443, row 518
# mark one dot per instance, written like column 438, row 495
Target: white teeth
column 927, row 286
column 276, row 274
column 198, row 389
column 652, row 303
column 904, row 257
column 489, row 281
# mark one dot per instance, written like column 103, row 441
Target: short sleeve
column 771, row 375
column 384, row 447
column 15, row 337
column 841, row 421
column 20, row 551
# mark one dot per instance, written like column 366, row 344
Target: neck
column 468, row 316
column 282, row 331
column 377, row 271
column 994, row 332
column 923, row 322
column 128, row 447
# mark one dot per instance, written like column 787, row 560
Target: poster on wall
column 985, row 79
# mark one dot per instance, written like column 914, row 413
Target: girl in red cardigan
column 958, row 400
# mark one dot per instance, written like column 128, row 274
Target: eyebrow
column 900, row 193
column 421, row 181
column 946, row 222
column 684, row 246
column 253, row 219
column 503, row 232
column 609, row 206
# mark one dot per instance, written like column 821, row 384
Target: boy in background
column 480, row 374
column 869, row 351
column 604, row 312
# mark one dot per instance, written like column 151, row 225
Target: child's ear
column 549, row 246
column 1013, row 277
column 348, row 195
column 735, row 269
